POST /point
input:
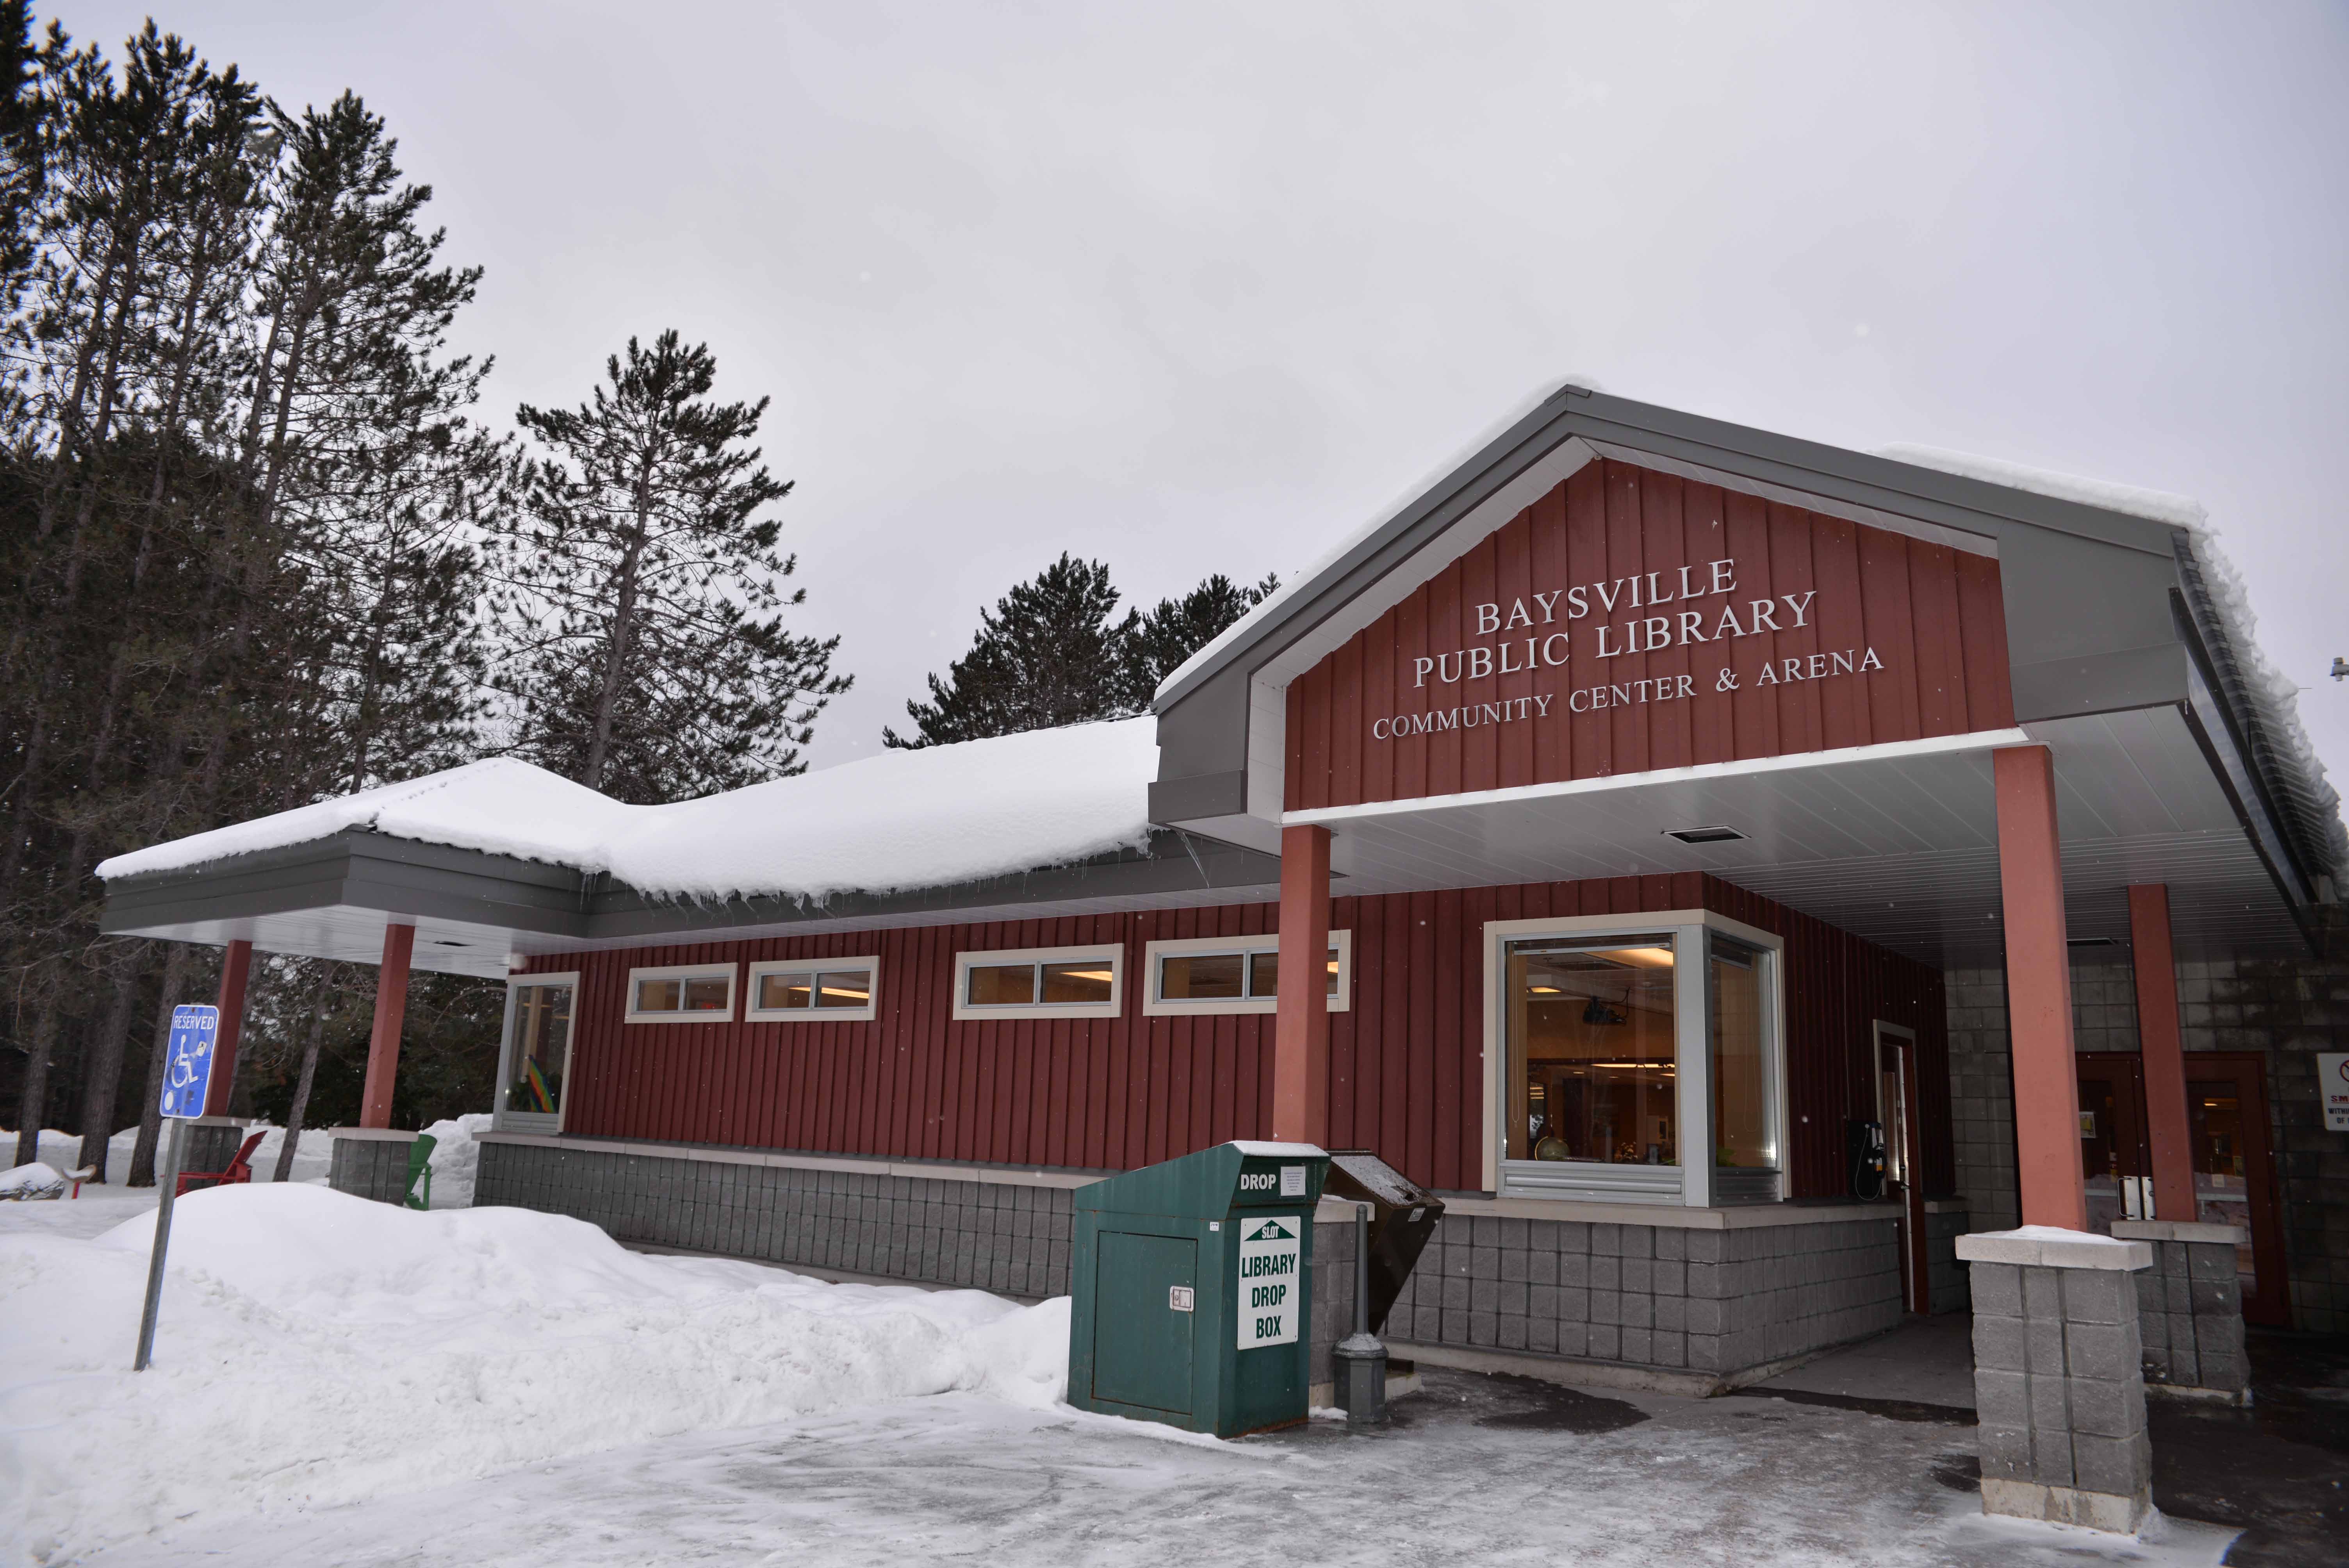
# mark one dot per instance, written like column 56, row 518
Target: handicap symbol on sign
column 188, row 1060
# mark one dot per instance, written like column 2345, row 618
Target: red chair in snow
column 239, row 1169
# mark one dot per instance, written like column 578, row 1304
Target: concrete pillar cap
column 2051, row 1247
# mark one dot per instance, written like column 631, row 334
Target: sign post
column 187, row 1079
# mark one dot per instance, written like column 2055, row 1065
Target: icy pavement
column 1480, row 1470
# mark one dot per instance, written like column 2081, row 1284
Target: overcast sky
column 1194, row 287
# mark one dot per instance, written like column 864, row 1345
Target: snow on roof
column 900, row 819
column 2278, row 738
column 1379, row 520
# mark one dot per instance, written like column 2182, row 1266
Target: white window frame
column 1688, row 1184
column 754, row 1014
column 1155, row 1005
column 1112, row 951
column 732, row 973
column 507, row 1121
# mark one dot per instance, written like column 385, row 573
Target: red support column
column 391, row 1009
column 236, row 965
column 1300, row 1035
column 2164, row 1045
column 2039, row 992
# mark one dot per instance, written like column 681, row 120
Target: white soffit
column 1897, row 845
column 1915, row 528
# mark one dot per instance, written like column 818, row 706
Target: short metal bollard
column 1361, row 1358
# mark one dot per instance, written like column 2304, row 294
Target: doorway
column 1896, row 1112
column 2234, row 1166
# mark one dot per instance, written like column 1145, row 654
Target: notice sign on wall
column 1270, row 1250
column 2333, row 1088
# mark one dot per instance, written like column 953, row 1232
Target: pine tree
column 1167, row 635
column 644, row 595
column 1047, row 654
column 1050, row 653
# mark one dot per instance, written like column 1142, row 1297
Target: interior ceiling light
column 1713, row 835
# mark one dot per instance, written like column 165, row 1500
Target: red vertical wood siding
column 1933, row 615
column 1406, row 1076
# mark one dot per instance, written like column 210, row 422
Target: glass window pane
column 778, row 991
column 1332, row 987
column 658, row 996
column 844, row 988
column 1080, row 981
column 1741, row 1084
column 1200, row 977
column 1000, row 984
column 706, row 994
column 542, row 1049
column 2222, row 1189
column 1593, row 1062
column 1264, row 974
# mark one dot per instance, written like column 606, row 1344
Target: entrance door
column 1896, row 1109
column 2234, row 1175
column 2234, row 1172
column 2113, row 1144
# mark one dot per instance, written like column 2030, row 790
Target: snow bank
column 455, row 1159
column 2274, row 696
column 316, row 1348
column 899, row 819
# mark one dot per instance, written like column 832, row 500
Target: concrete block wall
column 2060, row 1394
column 1981, row 1098
column 1010, row 1238
column 2285, row 1010
column 1650, row 1295
column 1945, row 1277
column 209, row 1145
column 2191, row 1317
column 373, row 1167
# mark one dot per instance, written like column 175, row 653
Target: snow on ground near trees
column 929, row 817
column 317, row 1349
column 456, row 1158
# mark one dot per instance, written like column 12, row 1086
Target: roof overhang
column 478, row 914
column 2107, row 621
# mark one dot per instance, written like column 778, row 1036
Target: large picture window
column 1039, row 983
column 536, row 1057
column 1233, row 974
column 1596, row 1058
column 1637, row 1063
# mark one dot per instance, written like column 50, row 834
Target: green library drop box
column 1191, row 1289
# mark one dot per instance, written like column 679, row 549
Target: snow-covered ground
column 317, row 1349
column 346, row 1382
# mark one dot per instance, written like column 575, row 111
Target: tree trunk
column 102, row 1078
column 34, row 1102
column 150, row 1111
column 294, row 1112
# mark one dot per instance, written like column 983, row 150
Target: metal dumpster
column 1191, row 1287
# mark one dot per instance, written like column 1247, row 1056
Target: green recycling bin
column 1191, row 1285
